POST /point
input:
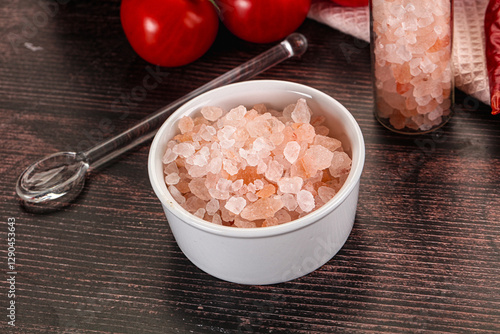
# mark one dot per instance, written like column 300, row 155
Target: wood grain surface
column 424, row 254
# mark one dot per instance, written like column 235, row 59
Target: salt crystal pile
column 254, row 168
column 412, row 65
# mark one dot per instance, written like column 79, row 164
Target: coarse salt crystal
column 212, row 206
column 169, row 156
column 200, row 213
column 301, row 113
column 176, row 194
column 326, row 193
column 274, row 171
column 290, row 185
column 235, row 204
column 184, row 149
column 261, row 209
column 186, row 124
column 172, row 179
column 305, row 200
column 237, row 185
column 211, row 113
column 341, row 163
column 291, row 151
column 217, row 219
column 289, row 201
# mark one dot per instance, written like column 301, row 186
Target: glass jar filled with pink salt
column 411, row 43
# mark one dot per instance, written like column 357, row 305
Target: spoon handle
column 294, row 45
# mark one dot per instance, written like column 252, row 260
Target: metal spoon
column 57, row 179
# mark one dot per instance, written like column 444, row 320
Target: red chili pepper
column 492, row 33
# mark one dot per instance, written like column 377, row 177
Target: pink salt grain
column 184, row 149
column 186, row 124
column 320, row 156
column 243, row 223
column 172, row 179
column 290, row 185
column 212, row 206
column 291, row 151
column 305, row 200
column 261, row 209
column 330, row 143
column 198, row 188
column 200, row 213
column 274, row 171
column 211, row 113
column 235, row 204
column 169, row 156
column 176, row 194
column 301, row 113
column 326, row 193
column 341, row 164
column 289, row 202
column 217, row 219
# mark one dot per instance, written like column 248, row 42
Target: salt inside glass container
column 411, row 42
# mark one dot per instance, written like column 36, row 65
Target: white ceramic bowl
column 272, row 254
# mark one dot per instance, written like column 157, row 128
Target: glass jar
column 411, row 43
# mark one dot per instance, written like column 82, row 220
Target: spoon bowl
column 53, row 181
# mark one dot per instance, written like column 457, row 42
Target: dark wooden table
column 424, row 254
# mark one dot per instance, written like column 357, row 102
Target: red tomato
column 169, row 32
column 263, row 21
column 352, row 3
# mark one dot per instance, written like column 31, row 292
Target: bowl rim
column 176, row 209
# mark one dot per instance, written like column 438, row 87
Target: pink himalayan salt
column 211, row 113
column 290, row 185
column 289, row 201
column 235, row 204
column 198, row 188
column 252, row 197
column 281, row 217
column 258, row 184
column 172, row 178
column 217, row 220
column 184, row 149
column 305, row 200
column 193, row 203
column 212, row 206
column 170, row 168
column 304, row 132
column 266, row 190
column 243, row 223
column 321, row 130
column 326, row 193
column 200, row 213
column 291, row 151
column 319, row 157
column 262, row 209
column 237, row 185
column 274, row 171
column 301, row 113
column 169, row 156
column 176, row 194
column 341, row 163
column 186, row 124
column 237, row 171
column 412, row 65
column 261, row 167
column 330, row 143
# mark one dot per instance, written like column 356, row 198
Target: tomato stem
column 217, row 8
